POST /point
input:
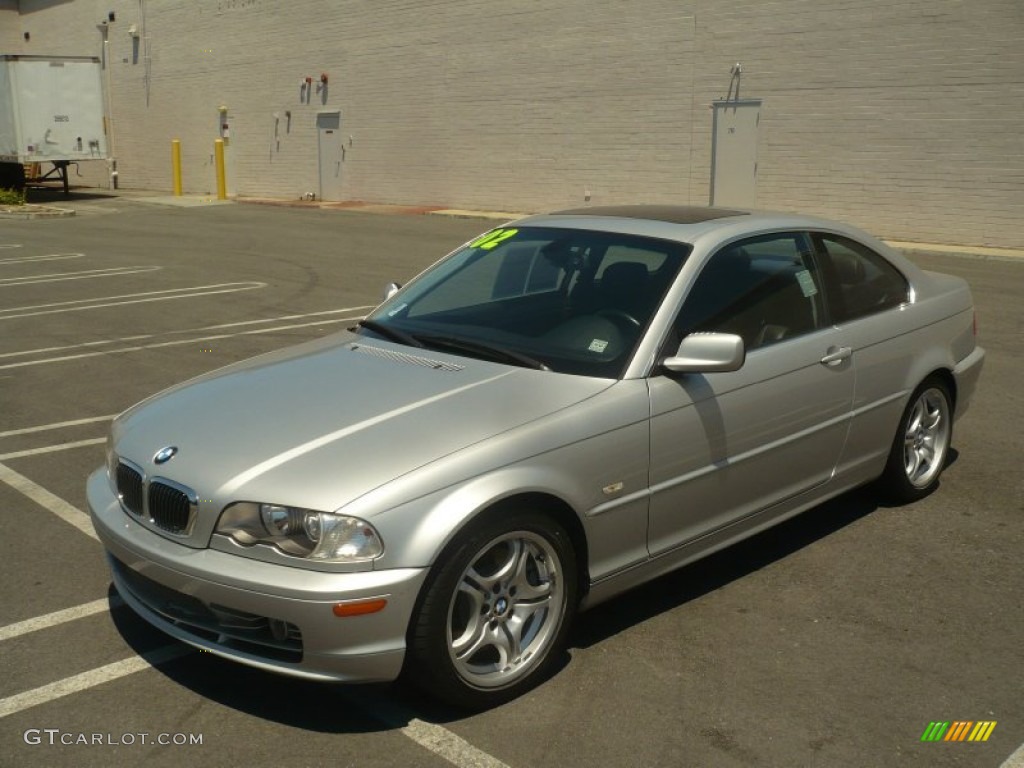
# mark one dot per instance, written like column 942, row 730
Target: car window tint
column 866, row 283
column 617, row 254
column 524, row 270
column 506, row 271
column 764, row 289
column 534, row 291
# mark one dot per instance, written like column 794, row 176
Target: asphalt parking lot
column 832, row 640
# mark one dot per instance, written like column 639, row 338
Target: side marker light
column 359, row 607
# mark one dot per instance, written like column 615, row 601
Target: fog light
column 279, row 630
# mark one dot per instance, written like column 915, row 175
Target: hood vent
column 401, row 357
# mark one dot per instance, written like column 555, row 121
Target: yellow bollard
column 176, row 166
column 222, row 187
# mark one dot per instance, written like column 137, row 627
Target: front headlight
column 322, row 536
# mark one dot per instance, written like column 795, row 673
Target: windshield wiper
column 390, row 333
column 490, row 351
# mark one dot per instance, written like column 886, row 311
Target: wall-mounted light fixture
column 734, row 80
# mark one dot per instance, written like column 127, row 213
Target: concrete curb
column 393, row 209
column 976, row 251
column 179, row 201
column 459, row 213
column 34, row 211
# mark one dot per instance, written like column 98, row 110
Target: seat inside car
column 623, row 286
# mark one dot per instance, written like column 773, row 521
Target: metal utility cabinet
column 51, row 111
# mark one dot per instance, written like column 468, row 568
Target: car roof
column 674, row 214
column 684, row 223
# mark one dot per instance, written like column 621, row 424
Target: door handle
column 835, row 355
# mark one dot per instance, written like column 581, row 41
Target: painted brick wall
column 10, row 27
column 902, row 116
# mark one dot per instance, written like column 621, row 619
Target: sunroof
column 674, row 214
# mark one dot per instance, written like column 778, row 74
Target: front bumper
column 261, row 614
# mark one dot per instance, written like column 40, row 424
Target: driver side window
column 764, row 289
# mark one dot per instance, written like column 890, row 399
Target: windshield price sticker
column 493, row 239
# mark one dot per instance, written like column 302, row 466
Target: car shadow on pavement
column 734, row 562
column 305, row 704
column 723, row 567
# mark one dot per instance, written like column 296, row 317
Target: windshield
column 568, row 300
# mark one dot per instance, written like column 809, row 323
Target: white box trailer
column 51, row 111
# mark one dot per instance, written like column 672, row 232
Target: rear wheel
column 922, row 442
column 496, row 611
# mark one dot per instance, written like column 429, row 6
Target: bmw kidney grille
column 160, row 502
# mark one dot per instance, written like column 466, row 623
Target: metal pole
column 176, row 166
column 222, row 187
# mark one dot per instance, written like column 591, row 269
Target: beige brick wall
column 902, row 116
column 10, row 27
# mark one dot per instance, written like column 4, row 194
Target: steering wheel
column 620, row 315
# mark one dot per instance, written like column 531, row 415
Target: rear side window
column 865, row 282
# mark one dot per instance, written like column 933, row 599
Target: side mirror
column 391, row 289
column 708, row 353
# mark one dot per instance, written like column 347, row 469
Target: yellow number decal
column 493, row 238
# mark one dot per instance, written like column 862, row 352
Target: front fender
column 592, row 460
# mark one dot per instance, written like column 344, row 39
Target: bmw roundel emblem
column 165, row 454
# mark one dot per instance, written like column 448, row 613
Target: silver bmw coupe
column 559, row 410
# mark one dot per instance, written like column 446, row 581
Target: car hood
column 321, row 424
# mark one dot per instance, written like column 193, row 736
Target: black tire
column 921, row 445
column 480, row 639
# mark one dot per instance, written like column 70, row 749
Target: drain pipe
column 104, row 28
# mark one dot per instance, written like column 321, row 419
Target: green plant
column 12, row 197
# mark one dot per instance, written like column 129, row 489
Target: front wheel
column 922, row 442
column 496, row 611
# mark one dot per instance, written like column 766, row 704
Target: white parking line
column 453, row 748
column 165, row 295
column 85, row 274
column 49, row 257
column 90, row 679
column 56, row 425
column 140, row 337
column 9, row 245
column 1016, row 760
column 69, row 513
column 177, row 342
column 52, row 448
column 59, row 617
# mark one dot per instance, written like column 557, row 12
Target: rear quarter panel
column 896, row 350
